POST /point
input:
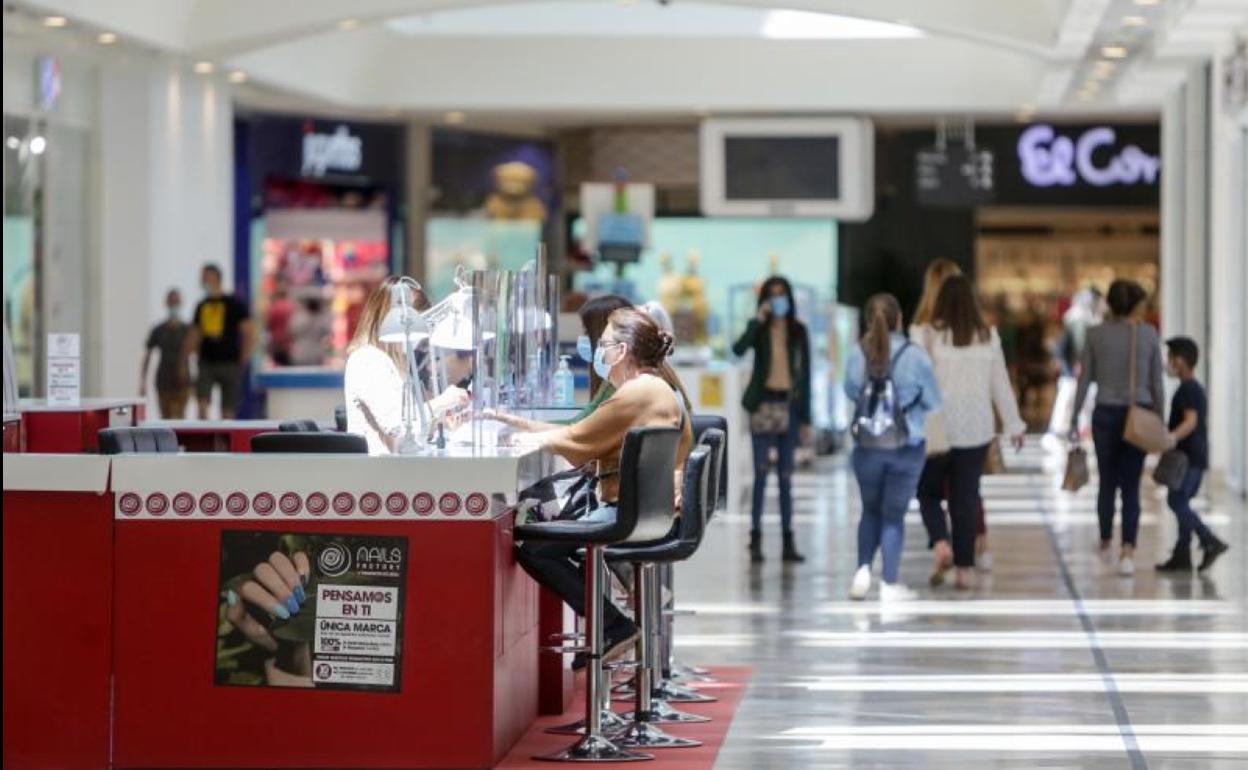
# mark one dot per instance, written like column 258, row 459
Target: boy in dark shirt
column 1189, row 432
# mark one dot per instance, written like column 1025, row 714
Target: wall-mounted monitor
column 788, row 167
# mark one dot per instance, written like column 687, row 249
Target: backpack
column 879, row 421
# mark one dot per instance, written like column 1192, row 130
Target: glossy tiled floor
column 1052, row 661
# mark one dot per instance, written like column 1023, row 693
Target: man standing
column 173, row 371
column 221, row 334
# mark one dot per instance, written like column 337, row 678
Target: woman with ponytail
column 884, row 368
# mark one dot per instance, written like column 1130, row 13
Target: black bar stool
column 321, row 442
column 117, row 441
column 681, row 543
column 643, row 515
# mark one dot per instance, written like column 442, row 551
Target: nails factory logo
column 377, row 560
column 334, row 560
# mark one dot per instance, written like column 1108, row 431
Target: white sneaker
column 1126, row 566
column 861, row 585
column 983, row 561
column 896, row 592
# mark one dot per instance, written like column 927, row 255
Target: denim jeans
column 558, row 567
column 887, row 479
column 1120, row 465
column 954, row 476
column 1180, row 501
column 786, row 447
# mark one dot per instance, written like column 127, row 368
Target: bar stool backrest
column 647, row 503
column 714, row 440
column 695, row 499
column 299, row 426
column 340, row 418
column 701, row 424
column 322, row 442
column 117, row 441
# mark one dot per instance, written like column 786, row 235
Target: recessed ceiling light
column 1134, row 21
column 237, row 76
column 55, row 21
column 348, row 24
column 38, row 144
column 106, row 38
column 1148, row 2
column 12, row 142
column 455, row 117
column 1114, row 52
column 203, row 67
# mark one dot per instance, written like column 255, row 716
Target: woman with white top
column 970, row 368
column 375, row 377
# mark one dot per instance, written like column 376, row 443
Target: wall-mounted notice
column 310, row 610
column 64, row 369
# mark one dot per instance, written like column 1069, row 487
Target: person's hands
column 807, row 434
column 1017, row 441
column 142, row 389
column 497, row 416
column 277, row 588
column 1172, row 441
column 1073, row 436
column 764, row 314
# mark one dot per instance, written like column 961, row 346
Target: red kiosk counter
column 66, row 428
column 58, row 576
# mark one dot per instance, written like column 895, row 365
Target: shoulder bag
column 937, row 428
column 1144, row 429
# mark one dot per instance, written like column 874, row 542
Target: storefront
column 318, row 224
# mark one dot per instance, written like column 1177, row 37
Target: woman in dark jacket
column 778, row 400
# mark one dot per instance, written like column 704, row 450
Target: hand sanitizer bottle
column 565, row 384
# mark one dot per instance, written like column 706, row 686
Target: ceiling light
column 1148, row 2
column 38, row 144
column 12, row 142
column 455, row 117
column 237, row 76
column 106, row 38
column 1114, row 52
column 807, row 25
column 1134, row 21
column 55, row 21
column 203, row 67
column 348, row 24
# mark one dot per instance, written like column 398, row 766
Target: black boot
column 790, row 551
column 1179, row 561
column 756, row 547
column 1212, row 550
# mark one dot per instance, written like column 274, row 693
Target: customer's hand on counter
column 453, row 397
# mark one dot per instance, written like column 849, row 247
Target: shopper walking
column 1190, row 433
column 970, row 370
column 173, row 372
column 221, row 337
column 893, row 387
column 778, row 401
column 1107, row 358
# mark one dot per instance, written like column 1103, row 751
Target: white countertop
column 55, row 472
column 83, row 405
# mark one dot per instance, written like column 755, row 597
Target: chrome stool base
column 663, row 714
column 594, row 748
column 612, row 722
column 643, row 735
column 675, row 694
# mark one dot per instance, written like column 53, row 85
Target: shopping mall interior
column 306, row 301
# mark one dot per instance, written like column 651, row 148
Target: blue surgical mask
column 601, row 367
column 584, row 349
column 780, row 305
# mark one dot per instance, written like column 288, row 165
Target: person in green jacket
column 778, row 401
column 594, row 314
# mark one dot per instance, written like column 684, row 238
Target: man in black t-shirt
column 221, row 336
column 173, row 376
column 1190, row 433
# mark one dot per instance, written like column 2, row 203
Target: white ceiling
column 611, row 58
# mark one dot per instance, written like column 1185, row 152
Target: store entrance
column 1031, row 263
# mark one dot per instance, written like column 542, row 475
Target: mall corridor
column 1051, row 661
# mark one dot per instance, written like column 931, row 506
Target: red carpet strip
column 729, row 689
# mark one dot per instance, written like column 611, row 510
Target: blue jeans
column 887, row 480
column 1120, row 465
column 1180, row 501
column 786, row 447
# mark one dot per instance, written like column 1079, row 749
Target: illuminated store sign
column 1093, row 157
column 339, row 151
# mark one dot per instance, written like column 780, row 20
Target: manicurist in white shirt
column 375, row 377
column 970, row 368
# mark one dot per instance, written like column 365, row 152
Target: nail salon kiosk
column 410, row 642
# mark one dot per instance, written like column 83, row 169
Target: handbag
column 937, row 429
column 561, row 496
column 1076, row 476
column 770, row 417
column 994, row 461
column 1171, row 469
column 1144, row 429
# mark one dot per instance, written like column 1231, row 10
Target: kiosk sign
column 311, row 610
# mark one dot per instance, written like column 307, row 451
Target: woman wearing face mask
column 778, row 400
column 630, row 355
